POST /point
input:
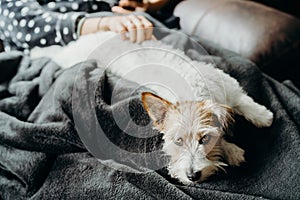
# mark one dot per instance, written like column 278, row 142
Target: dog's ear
column 233, row 154
column 222, row 116
column 156, row 108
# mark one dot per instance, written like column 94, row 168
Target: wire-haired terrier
column 194, row 130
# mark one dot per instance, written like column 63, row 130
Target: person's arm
column 135, row 28
column 143, row 6
column 25, row 24
column 154, row 5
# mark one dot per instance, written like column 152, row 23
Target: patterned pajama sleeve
column 28, row 23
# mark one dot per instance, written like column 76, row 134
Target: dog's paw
column 257, row 114
column 236, row 158
column 268, row 119
column 264, row 117
column 234, row 155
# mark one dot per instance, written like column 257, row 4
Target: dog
column 194, row 134
column 193, row 126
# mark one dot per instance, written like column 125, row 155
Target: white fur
column 201, row 80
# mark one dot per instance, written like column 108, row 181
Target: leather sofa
column 265, row 35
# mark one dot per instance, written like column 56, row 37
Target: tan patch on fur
column 233, row 154
column 204, row 114
column 213, row 149
column 229, row 120
column 160, row 105
column 208, row 171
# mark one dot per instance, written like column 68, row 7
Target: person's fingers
column 121, row 29
column 130, row 28
column 153, row 37
column 115, row 24
column 120, row 10
column 148, row 26
column 135, row 28
column 140, row 31
column 132, row 33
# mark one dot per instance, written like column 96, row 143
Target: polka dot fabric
column 28, row 23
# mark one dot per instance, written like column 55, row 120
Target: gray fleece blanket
column 43, row 157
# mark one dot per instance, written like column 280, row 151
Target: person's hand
column 128, row 6
column 132, row 27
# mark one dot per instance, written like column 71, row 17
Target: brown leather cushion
column 255, row 31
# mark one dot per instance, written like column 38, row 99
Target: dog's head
column 193, row 136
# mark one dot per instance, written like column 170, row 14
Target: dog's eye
column 178, row 141
column 205, row 139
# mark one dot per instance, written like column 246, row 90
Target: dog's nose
column 194, row 176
